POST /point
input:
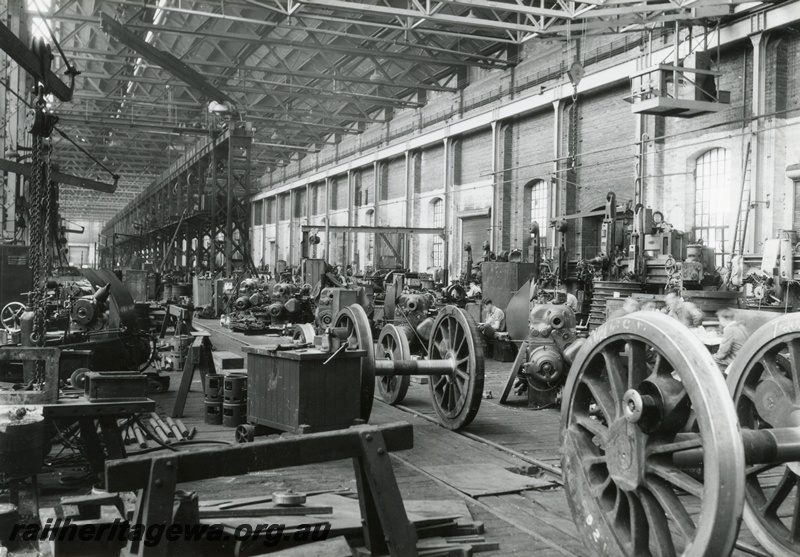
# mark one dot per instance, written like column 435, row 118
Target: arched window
column 437, row 254
column 537, row 194
column 711, row 219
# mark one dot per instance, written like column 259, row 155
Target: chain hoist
column 575, row 74
column 40, row 123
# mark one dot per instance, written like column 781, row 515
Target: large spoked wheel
column 764, row 380
column 10, row 313
column 457, row 395
column 393, row 345
column 355, row 320
column 626, row 495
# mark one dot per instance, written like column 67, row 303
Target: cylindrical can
column 213, row 414
column 234, row 413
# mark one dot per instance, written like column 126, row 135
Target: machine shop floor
column 525, row 523
column 532, row 522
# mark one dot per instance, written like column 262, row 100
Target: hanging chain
column 573, row 122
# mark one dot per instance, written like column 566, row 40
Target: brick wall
column 606, row 144
column 476, row 158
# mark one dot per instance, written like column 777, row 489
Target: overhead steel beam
column 59, row 177
column 28, row 61
column 430, row 16
column 163, row 59
column 321, row 47
column 308, row 29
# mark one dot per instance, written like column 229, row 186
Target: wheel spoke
column 640, row 533
column 757, row 469
column 659, row 526
column 637, row 363
column 794, row 531
column 676, row 477
column 594, row 427
column 602, row 396
column 749, row 392
column 672, row 506
column 794, row 359
column 771, row 365
column 656, row 369
column 780, row 493
column 617, row 372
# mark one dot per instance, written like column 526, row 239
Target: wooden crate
column 290, row 390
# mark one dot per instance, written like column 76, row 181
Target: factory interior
column 435, row 278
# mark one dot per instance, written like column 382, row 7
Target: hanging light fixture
column 376, row 76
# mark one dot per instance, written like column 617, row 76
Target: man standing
column 734, row 334
column 494, row 320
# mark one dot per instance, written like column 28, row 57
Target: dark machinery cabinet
column 501, row 280
column 16, row 277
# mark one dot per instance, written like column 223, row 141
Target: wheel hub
column 625, row 455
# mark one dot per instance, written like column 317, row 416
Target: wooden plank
column 132, row 473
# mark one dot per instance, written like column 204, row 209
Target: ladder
column 740, row 230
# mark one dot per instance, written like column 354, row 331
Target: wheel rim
column 355, row 320
column 764, row 380
column 457, row 396
column 393, row 345
column 9, row 312
column 621, row 484
column 304, row 332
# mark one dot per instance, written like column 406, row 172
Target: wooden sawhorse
column 386, row 525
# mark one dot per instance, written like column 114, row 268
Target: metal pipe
column 413, row 367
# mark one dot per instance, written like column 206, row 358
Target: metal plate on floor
column 477, row 480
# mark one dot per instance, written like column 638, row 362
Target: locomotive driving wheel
column 637, row 386
column 393, row 345
column 456, row 395
column 354, row 319
column 764, row 380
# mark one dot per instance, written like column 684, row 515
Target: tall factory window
column 270, row 208
column 710, row 208
column 283, row 201
column 258, row 213
column 315, row 193
column 538, row 194
column 370, row 221
column 437, row 255
column 299, row 203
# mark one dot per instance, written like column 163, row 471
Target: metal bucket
column 21, row 444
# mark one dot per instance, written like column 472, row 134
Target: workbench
column 106, row 414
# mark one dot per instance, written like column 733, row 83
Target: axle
column 765, row 446
column 413, row 367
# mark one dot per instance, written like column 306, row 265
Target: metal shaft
column 413, row 367
column 765, row 446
